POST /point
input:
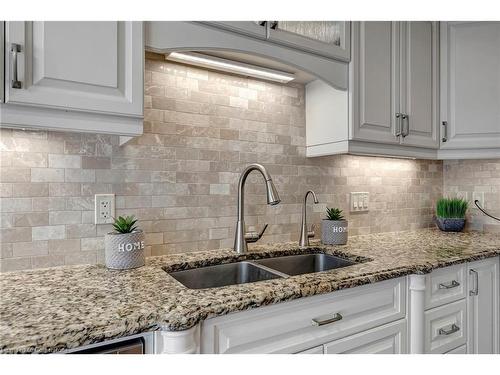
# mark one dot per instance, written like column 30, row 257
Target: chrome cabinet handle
column 254, row 236
column 326, row 319
column 475, row 290
column 273, row 25
column 404, row 132
column 445, row 131
column 453, row 328
column 14, row 50
column 398, row 124
column 261, row 23
column 450, row 285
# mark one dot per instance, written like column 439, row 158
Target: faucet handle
column 311, row 233
column 254, row 236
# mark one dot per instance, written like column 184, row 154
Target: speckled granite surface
column 60, row 308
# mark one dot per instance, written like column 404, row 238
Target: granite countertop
column 60, row 308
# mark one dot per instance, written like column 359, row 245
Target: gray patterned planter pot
column 124, row 250
column 334, row 232
column 450, row 225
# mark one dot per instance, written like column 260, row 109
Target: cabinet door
column 388, row 339
column 83, row 66
column 483, row 307
column 253, row 28
column 375, row 81
column 470, row 84
column 327, row 38
column 419, row 84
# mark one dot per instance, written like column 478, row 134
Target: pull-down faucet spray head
column 273, row 197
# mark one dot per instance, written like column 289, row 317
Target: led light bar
column 217, row 63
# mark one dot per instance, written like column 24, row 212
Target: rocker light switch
column 359, row 201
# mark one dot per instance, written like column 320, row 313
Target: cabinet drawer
column 445, row 327
column 288, row 327
column 460, row 350
column 445, row 285
column 387, row 339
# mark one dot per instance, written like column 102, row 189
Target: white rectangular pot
column 334, row 232
column 124, row 250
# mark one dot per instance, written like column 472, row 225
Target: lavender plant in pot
column 334, row 227
column 450, row 214
column 124, row 248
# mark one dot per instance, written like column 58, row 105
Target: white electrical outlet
column 360, row 201
column 104, row 208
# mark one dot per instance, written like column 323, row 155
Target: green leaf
column 449, row 208
column 334, row 214
column 125, row 224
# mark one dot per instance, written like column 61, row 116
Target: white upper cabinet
column 419, row 84
column 392, row 96
column 375, row 81
column 327, row 38
column 395, row 83
column 470, row 87
column 324, row 38
column 77, row 67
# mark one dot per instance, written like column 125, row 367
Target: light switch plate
column 360, row 201
column 104, row 208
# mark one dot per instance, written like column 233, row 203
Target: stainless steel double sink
column 258, row 270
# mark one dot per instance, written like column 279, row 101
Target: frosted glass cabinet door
column 81, row 66
column 327, row 38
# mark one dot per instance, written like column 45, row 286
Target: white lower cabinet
column 460, row 309
column 445, row 327
column 386, row 339
column 445, row 285
column 452, row 310
column 303, row 324
column 483, row 307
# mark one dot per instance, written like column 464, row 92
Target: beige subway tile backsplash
column 180, row 178
column 463, row 178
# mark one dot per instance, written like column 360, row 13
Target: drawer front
column 315, row 350
column 445, row 327
column 460, row 350
column 289, row 328
column 387, row 339
column 445, row 285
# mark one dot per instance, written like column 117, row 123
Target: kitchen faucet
column 305, row 234
column 241, row 237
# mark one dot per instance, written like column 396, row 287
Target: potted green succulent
column 124, row 248
column 334, row 227
column 450, row 214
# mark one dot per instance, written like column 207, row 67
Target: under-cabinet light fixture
column 236, row 67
